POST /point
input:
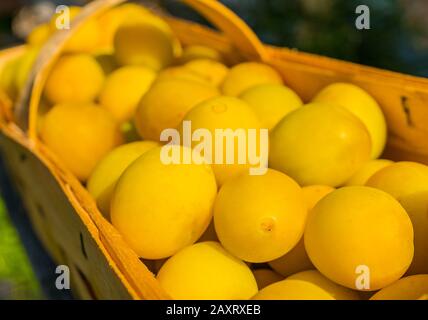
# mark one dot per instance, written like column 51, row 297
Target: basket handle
column 243, row 38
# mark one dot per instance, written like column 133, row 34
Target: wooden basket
column 65, row 216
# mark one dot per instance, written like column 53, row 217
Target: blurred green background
column 17, row 280
column 397, row 40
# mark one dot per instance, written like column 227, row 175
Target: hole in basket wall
column 22, row 157
column 407, row 111
column 82, row 246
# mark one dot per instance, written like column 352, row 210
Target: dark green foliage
column 327, row 27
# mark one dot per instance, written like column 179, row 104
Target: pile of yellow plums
column 324, row 218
